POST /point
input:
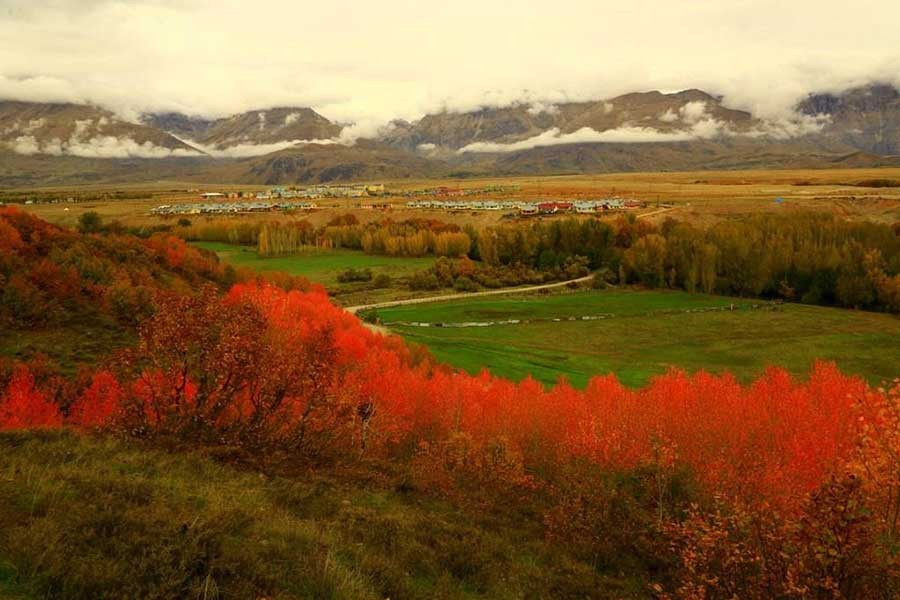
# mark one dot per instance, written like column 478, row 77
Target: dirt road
column 656, row 212
column 514, row 290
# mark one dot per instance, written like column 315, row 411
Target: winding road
column 460, row 296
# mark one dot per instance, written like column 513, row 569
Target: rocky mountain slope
column 646, row 110
column 258, row 127
column 867, row 118
column 648, row 131
column 82, row 130
column 325, row 163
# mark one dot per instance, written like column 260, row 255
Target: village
column 261, row 203
column 526, row 208
column 442, row 198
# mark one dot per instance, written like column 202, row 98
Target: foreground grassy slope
column 69, row 345
column 98, row 518
column 650, row 332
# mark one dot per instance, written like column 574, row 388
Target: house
column 210, row 195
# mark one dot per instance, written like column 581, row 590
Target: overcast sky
column 370, row 61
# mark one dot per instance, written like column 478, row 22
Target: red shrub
column 23, row 406
column 99, row 404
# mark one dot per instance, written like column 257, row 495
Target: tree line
column 806, row 257
column 812, row 258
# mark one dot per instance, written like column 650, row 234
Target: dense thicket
column 288, row 374
column 49, row 274
column 413, row 237
column 806, row 257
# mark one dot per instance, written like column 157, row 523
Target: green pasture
column 647, row 333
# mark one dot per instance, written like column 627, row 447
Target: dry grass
column 701, row 196
column 95, row 518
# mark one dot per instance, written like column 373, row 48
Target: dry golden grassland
column 701, row 196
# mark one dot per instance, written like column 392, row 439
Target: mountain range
column 55, row 144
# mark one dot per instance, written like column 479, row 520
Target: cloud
column 25, row 144
column 790, row 127
column 670, row 116
column 85, row 144
column 364, row 128
column 692, row 112
column 699, row 125
column 100, row 146
column 206, row 58
column 554, row 137
column 538, row 108
column 249, row 150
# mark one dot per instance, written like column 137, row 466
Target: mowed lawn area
column 650, row 332
column 321, row 266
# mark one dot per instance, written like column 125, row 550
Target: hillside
column 32, row 170
column 82, row 130
column 323, row 163
column 677, row 156
column 57, row 144
column 151, row 524
column 867, row 118
column 258, row 127
column 75, row 297
column 661, row 112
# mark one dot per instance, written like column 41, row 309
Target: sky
column 367, row 62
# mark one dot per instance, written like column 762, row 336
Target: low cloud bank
column 100, row 146
column 554, row 137
column 697, row 124
column 251, row 150
column 86, row 140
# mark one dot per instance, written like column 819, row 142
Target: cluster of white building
column 527, row 207
column 448, row 192
column 308, row 193
column 226, row 208
column 342, row 191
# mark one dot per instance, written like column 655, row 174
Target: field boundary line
column 443, row 297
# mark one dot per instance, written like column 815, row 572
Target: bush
column 424, row 280
column 354, row 275
column 465, row 284
column 382, row 280
column 90, row 222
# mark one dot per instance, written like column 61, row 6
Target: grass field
column 83, row 340
column 86, row 518
column 321, row 266
column 650, row 332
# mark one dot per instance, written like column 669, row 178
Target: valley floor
column 644, row 333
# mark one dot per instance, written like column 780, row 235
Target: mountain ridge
column 648, row 130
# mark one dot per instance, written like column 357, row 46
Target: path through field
column 512, row 290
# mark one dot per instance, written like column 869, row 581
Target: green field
column 321, row 266
column 649, row 332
